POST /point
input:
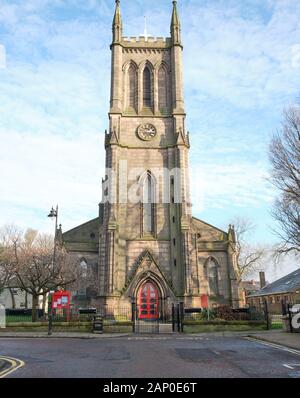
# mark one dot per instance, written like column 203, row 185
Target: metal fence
column 174, row 317
column 223, row 313
column 278, row 315
column 291, row 317
column 114, row 319
column 23, row 315
column 74, row 314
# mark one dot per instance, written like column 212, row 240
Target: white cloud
column 44, row 170
column 217, row 185
column 245, row 61
column 2, row 57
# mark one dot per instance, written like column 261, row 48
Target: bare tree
column 284, row 156
column 9, row 234
column 250, row 257
column 3, row 272
column 35, row 271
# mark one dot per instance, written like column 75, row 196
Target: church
column 145, row 245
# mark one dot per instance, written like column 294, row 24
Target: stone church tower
column 145, row 242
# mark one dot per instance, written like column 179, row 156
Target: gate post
column 181, row 306
column 133, row 309
column 178, row 317
column 173, row 318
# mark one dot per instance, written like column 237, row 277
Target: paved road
column 149, row 357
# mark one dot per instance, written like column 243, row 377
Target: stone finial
column 175, row 25
column 117, row 24
column 231, row 234
column 175, row 17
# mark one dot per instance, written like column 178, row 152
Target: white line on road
column 288, row 366
column 273, row 345
column 168, row 338
column 15, row 364
column 292, row 365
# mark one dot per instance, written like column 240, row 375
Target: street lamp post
column 53, row 214
column 50, row 317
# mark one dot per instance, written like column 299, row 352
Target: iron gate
column 145, row 321
column 162, row 322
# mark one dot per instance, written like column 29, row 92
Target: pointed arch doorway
column 148, row 301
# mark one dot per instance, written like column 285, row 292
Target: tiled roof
column 287, row 284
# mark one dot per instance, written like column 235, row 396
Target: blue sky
column 242, row 66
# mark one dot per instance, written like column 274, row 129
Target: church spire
column 175, row 25
column 117, row 24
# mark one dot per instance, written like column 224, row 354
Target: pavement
column 150, row 356
column 290, row 340
column 61, row 335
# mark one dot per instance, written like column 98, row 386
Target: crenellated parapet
column 146, row 42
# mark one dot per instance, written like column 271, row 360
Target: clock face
column 146, row 132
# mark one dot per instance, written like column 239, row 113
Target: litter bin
column 98, row 324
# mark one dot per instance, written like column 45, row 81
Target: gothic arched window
column 162, row 90
column 148, row 205
column 147, row 89
column 212, row 273
column 132, row 88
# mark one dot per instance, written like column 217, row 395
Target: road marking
column 288, row 366
column 15, row 364
column 168, row 338
column 279, row 347
column 291, row 365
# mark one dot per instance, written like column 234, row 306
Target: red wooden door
column 148, row 302
column 204, row 301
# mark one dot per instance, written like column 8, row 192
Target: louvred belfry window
column 147, row 89
column 132, row 88
column 162, row 90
